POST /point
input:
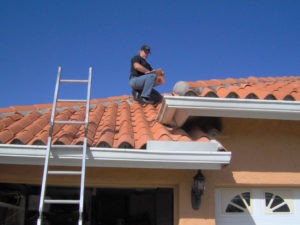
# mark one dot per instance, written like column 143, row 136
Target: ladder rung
column 71, row 100
column 57, row 172
column 61, row 201
column 74, row 81
column 66, row 146
column 69, row 122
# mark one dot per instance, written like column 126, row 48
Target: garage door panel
column 257, row 206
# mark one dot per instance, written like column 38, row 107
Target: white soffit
column 175, row 110
column 158, row 155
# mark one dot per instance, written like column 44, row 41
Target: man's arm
column 141, row 68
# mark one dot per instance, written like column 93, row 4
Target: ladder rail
column 82, row 180
column 44, row 179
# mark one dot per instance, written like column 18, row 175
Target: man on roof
column 143, row 78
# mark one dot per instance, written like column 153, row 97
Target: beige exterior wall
column 265, row 153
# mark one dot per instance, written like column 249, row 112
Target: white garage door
column 263, row 206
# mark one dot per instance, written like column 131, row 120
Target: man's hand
column 159, row 72
column 159, row 76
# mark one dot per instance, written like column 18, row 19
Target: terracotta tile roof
column 120, row 122
column 117, row 122
column 272, row 88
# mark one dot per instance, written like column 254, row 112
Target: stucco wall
column 265, row 153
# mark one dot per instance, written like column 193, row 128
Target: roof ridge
column 271, row 88
column 25, row 109
column 243, row 80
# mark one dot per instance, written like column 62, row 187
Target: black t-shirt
column 140, row 60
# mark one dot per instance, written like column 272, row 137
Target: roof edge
column 121, row 158
column 175, row 110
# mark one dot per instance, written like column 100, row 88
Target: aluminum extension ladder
column 50, row 146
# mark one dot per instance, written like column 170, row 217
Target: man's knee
column 151, row 76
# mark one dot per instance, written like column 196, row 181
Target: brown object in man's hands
column 160, row 77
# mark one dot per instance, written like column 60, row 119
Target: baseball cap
column 146, row 48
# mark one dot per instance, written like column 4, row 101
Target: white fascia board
column 175, row 110
column 186, row 158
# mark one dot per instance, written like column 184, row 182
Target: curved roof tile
column 6, row 121
column 114, row 123
column 271, row 88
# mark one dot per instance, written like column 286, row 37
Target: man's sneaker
column 136, row 94
column 146, row 101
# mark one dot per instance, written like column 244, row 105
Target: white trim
column 182, row 146
column 175, row 110
column 187, row 155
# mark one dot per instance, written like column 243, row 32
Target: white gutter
column 175, row 110
column 158, row 155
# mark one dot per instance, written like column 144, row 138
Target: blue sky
column 191, row 40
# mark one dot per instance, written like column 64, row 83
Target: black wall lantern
column 198, row 187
